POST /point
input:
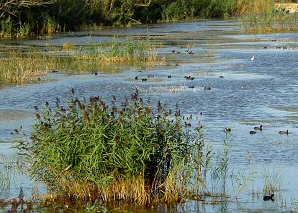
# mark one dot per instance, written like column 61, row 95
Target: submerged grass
column 89, row 151
column 28, row 65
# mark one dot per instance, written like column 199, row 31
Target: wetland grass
column 90, row 151
column 29, row 65
column 264, row 17
column 272, row 181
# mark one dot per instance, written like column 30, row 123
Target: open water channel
column 244, row 94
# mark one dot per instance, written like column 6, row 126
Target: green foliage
column 89, row 145
column 181, row 9
column 39, row 17
column 23, row 18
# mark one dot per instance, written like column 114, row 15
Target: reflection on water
column 243, row 94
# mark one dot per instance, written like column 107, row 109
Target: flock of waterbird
column 144, row 78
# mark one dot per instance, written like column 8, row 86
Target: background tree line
column 31, row 17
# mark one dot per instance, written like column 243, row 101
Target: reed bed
column 125, row 151
column 262, row 16
column 29, row 65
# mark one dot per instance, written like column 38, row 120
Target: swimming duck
column 284, row 132
column 252, row 58
column 259, row 128
column 189, row 77
column 227, row 129
column 252, row 132
column 268, row 197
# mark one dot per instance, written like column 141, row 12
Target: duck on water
column 284, row 132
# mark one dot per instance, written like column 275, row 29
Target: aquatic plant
column 219, row 172
column 29, row 65
column 272, row 181
column 89, row 150
column 242, row 180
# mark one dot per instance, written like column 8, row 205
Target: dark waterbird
column 260, row 128
column 268, row 197
column 174, row 51
column 252, row 132
column 284, row 132
column 189, row 77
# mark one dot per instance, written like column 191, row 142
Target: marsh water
column 244, row 93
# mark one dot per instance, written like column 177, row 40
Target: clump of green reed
column 90, row 150
column 23, row 66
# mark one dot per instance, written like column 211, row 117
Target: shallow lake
column 244, row 94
